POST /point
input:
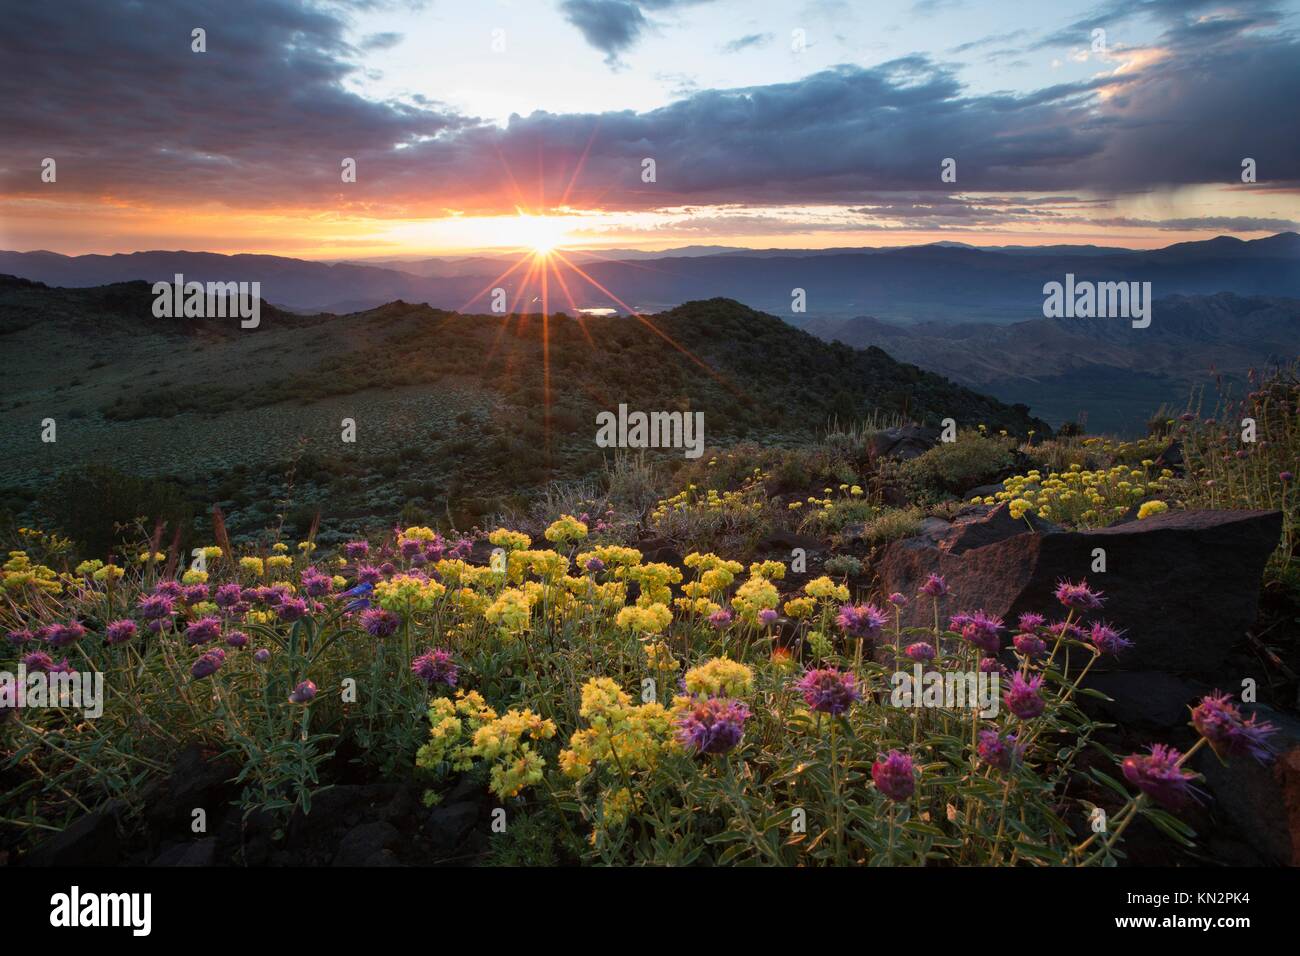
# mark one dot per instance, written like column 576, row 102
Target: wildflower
column 261, row 655
column 228, row 595
column 38, row 661
column 204, row 630
column 1079, row 596
column 61, row 635
column 1286, row 476
column 719, row 677
column 1159, row 776
column 236, row 639
column 1030, row 622
column 1030, row 645
column 208, row 663
column 1022, row 699
column 894, row 775
column 20, row 637
column 720, row 618
column 355, row 550
column 980, row 629
column 1107, row 639
column 861, row 620
column 713, row 725
column 1002, row 752
column 828, row 690
column 119, row 632
column 1220, row 722
column 1150, row 508
column 315, row 583
column 304, row 693
column 920, row 651
column 935, row 586
column 566, row 530
column 767, row 617
column 379, row 623
column 594, row 565
column 898, row 600
column 291, row 609
column 194, row 593
column 435, row 667
column 824, row 589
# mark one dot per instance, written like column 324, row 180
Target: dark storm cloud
column 614, row 26
column 113, row 92
column 747, row 42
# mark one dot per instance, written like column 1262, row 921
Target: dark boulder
column 198, row 853
column 1184, row 584
column 366, row 842
column 448, row 825
column 91, row 840
column 904, row 442
column 1261, row 800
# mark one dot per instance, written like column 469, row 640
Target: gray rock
column 448, row 825
column 365, row 841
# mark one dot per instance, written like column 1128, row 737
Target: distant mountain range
column 1102, row 369
column 933, row 283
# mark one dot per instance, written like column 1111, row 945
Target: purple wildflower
column 1022, row 699
column 714, row 725
column 119, row 632
column 369, row 574
column 999, row 751
column 379, row 623
column 1030, row 645
column 209, row 663
column 236, row 639
column 1107, row 639
column 194, row 593
column 1159, row 776
column 720, row 618
column 435, row 667
column 355, row 550
column 261, row 655
column 898, row 600
column 894, row 775
column 291, row 609
column 157, row 606
column 204, row 630
column 228, row 595
column 38, row 661
column 304, row 693
column 920, row 651
column 981, row 630
column 61, row 635
column 828, row 690
column 1079, row 596
column 935, row 586
column 1220, row 722
column 20, row 637
column 594, row 565
column 861, row 620
column 1030, row 622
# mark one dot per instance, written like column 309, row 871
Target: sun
column 540, row 234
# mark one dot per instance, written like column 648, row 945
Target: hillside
column 451, row 410
column 1103, row 369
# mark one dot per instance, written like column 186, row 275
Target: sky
column 495, row 124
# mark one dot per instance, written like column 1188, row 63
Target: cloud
column 611, row 26
column 614, row 26
column 264, row 118
column 749, row 41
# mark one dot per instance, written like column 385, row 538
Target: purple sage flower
column 935, row 586
column 999, row 751
column 1219, row 721
column 1030, row 645
column 119, row 632
column 261, row 655
column 861, row 620
column 204, row 630
column 304, row 693
column 1079, row 596
column 209, row 663
column 828, row 690
column 1022, row 698
column 1159, row 776
column 379, row 623
column 714, row 725
column 920, row 651
column 435, row 667
column 894, row 775
column 1107, row 639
